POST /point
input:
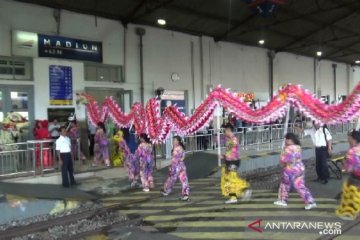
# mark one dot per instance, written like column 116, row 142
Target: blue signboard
column 61, row 88
column 179, row 103
column 69, row 48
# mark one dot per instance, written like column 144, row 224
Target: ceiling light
column 319, row 53
column 161, row 21
column 357, row 61
column 261, row 41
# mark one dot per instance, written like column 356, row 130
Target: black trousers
column 229, row 163
column 67, row 170
column 322, row 156
column 92, row 144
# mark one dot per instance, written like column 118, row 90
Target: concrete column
column 334, row 66
column 349, row 78
column 271, row 56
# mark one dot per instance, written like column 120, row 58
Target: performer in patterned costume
column 144, row 155
column 131, row 164
column 232, row 185
column 293, row 173
column 117, row 154
column 101, row 147
column 349, row 207
column 177, row 170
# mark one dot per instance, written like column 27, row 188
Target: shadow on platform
column 44, row 191
column 198, row 164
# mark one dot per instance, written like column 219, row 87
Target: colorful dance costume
column 144, row 154
column 293, row 175
column 117, row 154
column 131, row 164
column 101, row 148
column 177, row 170
column 231, row 184
column 74, row 135
column 349, row 207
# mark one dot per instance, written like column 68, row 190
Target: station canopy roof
column 299, row 26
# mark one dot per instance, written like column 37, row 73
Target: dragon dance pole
column 218, row 133
column 358, row 124
column 286, row 125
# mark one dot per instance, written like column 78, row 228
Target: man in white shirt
column 321, row 138
column 54, row 129
column 63, row 148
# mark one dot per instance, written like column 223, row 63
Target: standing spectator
column 321, row 138
column 53, row 129
column 41, row 133
column 63, row 148
column 74, row 135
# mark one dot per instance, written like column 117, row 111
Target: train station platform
column 205, row 216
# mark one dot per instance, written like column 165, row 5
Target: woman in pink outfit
column 144, row 154
column 177, row 170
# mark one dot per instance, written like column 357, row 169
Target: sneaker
column 280, row 203
column 164, row 193
column 231, row 200
column 247, row 195
column 133, row 184
column 346, row 218
column 146, row 190
column 310, row 206
column 184, row 198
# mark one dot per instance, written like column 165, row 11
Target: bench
column 334, row 166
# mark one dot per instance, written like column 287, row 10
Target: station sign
column 69, row 48
column 31, row 44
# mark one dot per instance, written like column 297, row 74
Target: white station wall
column 290, row 68
column 241, row 68
column 41, row 85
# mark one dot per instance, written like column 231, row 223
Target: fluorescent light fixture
column 319, row 53
column 261, row 41
column 161, row 21
column 357, row 61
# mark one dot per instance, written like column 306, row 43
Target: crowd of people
column 116, row 150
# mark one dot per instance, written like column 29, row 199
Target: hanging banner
column 69, row 48
column 60, row 82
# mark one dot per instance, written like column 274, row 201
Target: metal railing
column 248, row 136
column 15, row 159
column 32, row 157
column 37, row 157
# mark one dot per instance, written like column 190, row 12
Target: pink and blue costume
column 144, row 154
column 293, row 174
column 102, row 148
column 352, row 163
column 177, row 170
column 131, row 164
